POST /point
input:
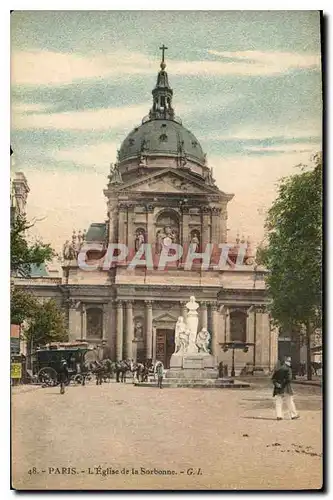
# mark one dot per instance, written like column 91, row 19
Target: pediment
column 166, row 318
column 169, row 180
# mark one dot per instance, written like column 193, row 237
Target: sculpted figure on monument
column 202, row 341
column 192, row 324
column 66, row 250
column 139, row 239
column 181, row 337
column 195, row 242
column 138, row 329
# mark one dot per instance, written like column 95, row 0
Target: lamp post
column 235, row 345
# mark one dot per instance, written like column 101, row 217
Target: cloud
column 101, row 119
column 268, row 63
column 54, row 68
column 258, row 132
column 287, row 148
column 99, row 155
column 21, row 108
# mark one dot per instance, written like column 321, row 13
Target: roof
column 96, row 232
column 38, row 271
column 161, row 137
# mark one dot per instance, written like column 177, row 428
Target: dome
column 161, row 137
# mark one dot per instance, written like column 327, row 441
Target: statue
column 66, row 250
column 138, row 330
column 115, row 175
column 142, row 160
column 159, row 238
column 181, row 337
column 139, row 240
column 195, row 243
column 202, row 341
column 192, row 324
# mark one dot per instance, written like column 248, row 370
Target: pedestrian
column 159, row 370
column 63, row 375
column 281, row 378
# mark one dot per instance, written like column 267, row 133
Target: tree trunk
column 308, row 351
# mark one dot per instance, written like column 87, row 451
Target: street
column 117, row 436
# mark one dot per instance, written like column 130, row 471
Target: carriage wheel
column 77, row 379
column 47, row 376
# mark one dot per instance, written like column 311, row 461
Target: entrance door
column 165, row 345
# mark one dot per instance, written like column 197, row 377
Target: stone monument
column 192, row 358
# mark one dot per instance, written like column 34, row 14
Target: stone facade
column 155, row 196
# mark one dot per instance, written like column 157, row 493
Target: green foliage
column 23, row 255
column 46, row 325
column 22, row 305
column 293, row 254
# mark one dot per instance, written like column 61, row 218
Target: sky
column 246, row 83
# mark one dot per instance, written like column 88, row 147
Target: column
column 105, row 322
column 258, row 334
column 223, row 224
column 214, row 332
column 205, row 233
column 154, row 344
column 74, row 321
column 221, row 327
column 216, row 214
column 149, row 329
column 83, row 322
column 110, row 334
column 204, row 314
column 250, row 325
column 150, row 226
column 185, row 232
column 122, row 224
column 227, row 325
column 129, row 329
column 119, row 341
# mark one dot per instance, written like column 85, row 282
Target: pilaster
column 129, row 329
column 120, row 333
column 149, row 328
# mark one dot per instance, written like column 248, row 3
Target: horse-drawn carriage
column 83, row 365
column 46, row 363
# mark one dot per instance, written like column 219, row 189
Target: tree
column 23, row 254
column 47, row 324
column 23, row 305
column 293, row 254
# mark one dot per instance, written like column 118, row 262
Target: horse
column 100, row 370
column 121, row 369
column 141, row 370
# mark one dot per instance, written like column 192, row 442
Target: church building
column 160, row 192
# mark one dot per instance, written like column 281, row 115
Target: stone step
column 204, row 384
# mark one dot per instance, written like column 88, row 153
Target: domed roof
column 161, row 133
column 161, row 137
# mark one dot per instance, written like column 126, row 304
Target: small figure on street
column 159, row 370
column 281, row 378
column 220, row 369
column 63, row 375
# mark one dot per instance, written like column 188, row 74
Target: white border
column 4, row 171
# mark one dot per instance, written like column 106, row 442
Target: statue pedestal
column 198, row 361
column 192, row 366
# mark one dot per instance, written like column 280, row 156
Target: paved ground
column 206, row 439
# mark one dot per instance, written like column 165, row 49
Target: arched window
column 238, row 326
column 94, row 323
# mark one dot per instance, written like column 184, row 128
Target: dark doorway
column 165, row 345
